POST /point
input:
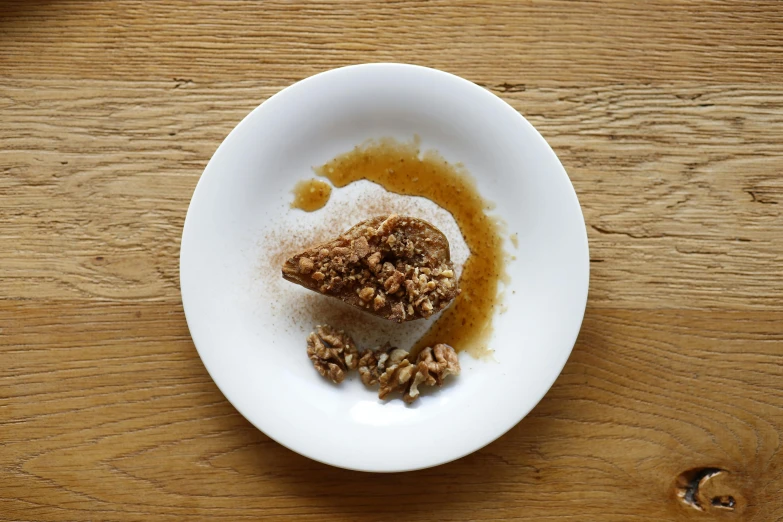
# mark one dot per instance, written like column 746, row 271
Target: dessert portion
column 334, row 353
column 395, row 267
column 404, row 168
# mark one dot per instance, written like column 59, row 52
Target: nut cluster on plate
column 334, row 353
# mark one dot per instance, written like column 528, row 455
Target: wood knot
column 711, row 490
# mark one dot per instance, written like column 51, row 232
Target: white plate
column 249, row 329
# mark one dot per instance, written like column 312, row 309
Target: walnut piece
column 372, row 363
column 395, row 267
column 433, row 365
column 396, row 372
column 333, row 352
column 368, row 368
column 392, row 369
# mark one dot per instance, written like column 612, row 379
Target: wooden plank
column 667, row 116
column 680, row 185
column 555, row 42
column 107, row 413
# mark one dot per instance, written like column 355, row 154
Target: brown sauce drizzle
column 311, row 194
column 400, row 168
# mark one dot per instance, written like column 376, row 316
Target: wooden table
column 668, row 117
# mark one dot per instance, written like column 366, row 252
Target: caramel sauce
column 399, row 167
column 311, row 194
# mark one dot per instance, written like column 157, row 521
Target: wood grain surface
column 668, row 117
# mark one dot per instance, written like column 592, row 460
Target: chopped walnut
column 398, row 312
column 333, row 352
column 420, row 376
column 374, row 262
column 372, row 364
column 440, row 362
column 306, row 265
column 447, row 360
column 396, row 267
column 366, row 293
column 387, row 366
column 392, row 369
column 396, row 378
column 361, row 247
column 393, row 282
column 433, row 365
column 368, row 368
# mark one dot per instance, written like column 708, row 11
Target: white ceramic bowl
column 261, row 366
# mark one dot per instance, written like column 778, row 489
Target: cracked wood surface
column 668, row 117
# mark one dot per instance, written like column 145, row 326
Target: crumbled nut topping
column 306, row 265
column 396, row 378
column 333, row 352
column 372, row 364
column 366, row 293
column 433, row 365
column 396, row 267
column 368, row 368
